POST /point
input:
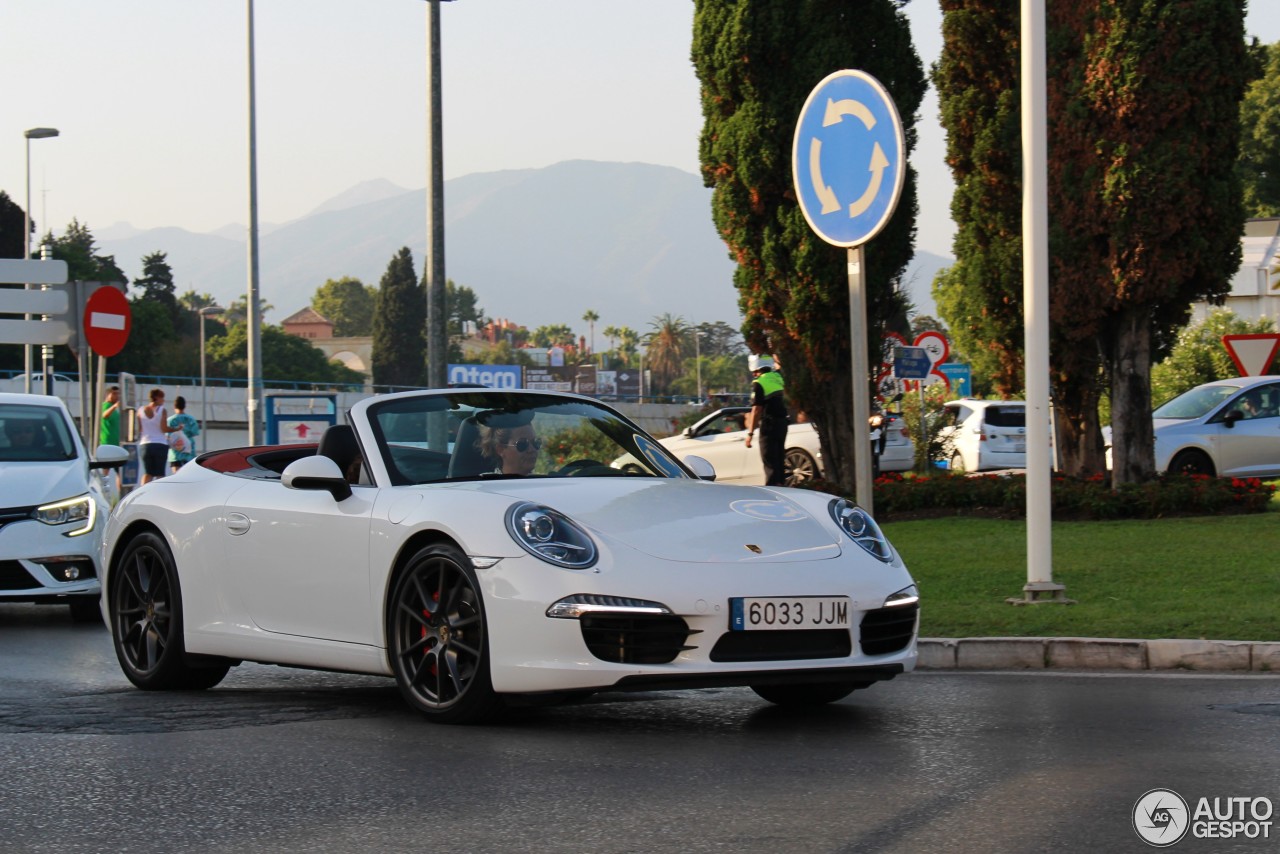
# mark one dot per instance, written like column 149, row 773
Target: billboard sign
column 489, row 376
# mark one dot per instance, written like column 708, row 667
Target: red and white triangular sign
column 1254, row 353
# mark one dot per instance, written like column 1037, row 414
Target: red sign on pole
column 107, row 320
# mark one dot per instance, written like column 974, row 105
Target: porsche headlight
column 81, row 511
column 904, row 597
column 861, row 528
column 551, row 536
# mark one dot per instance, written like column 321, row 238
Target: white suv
column 979, row 435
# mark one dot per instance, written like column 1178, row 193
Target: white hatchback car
column 721, row 439
column 1230, row 428
column 52, row 509
column 981, row 435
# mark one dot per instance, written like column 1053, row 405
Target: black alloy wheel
column 438, row 645
column 145, row 609
column 1192, row 462
column 799, row 466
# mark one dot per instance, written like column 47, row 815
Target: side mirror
column 1229, row 419
column 688, row 431
column 109, row 457
column 700, row 467
column 317, row 472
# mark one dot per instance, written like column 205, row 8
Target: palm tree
column 591, row 317
column 665, row 347
column 611, row 332
column 628, row 338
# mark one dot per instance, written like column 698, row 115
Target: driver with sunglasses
column 508, row 440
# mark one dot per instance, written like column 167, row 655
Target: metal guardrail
column 166, row 381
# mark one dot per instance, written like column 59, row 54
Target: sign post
column 848, row 162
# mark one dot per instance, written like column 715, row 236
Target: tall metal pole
column 204, row 381
column 254, row 319
column 1035, row 298
column 28, row 135
column 697, row 359
column 26, row 256
column 437, row 333
column 862, row 481
column 204, row 389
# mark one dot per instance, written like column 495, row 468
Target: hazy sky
column 150, row 98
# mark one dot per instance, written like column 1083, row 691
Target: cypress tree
column 399, row 349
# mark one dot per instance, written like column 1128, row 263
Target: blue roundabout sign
column 848, row 159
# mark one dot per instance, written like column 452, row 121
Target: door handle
column 238, row 523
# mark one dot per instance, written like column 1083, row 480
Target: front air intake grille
column 634, row 638
column 887, row 630
column 782, row 645
column 13, row 576
column 14, row 514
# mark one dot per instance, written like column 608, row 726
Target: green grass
column 1214, row 577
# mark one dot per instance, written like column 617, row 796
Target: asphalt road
column 288, row 760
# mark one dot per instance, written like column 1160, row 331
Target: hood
column 684, row 520
column 24, row 484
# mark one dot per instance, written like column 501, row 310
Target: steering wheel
column 576, row 468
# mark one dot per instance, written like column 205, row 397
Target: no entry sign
column 107, row 319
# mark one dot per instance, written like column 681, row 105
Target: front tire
column 1192, row 462
column 145, row 609
column 438, row 640
column 799, row 466
column 811, row 694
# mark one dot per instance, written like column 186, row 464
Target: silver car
column 52, row 509
column 1229, row 427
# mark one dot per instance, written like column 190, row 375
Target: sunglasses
column 523, row 445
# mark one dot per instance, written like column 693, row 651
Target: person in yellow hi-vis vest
column 769, row 413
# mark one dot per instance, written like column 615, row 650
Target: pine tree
column 156, row 283
column 399, row 323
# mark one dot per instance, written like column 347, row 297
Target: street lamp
column 697, row 359
column 204, row 391
column 30, row 134
column 437, row 319
column 254, row 319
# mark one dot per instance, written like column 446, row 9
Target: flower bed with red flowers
column 897, row 497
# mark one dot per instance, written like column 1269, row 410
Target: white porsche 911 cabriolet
column 478, row 547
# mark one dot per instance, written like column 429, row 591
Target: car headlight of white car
column 551, row 536
column 861, row 528
column 904, row 597
column 80, row 510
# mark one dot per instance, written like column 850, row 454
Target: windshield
column 34, row 434
column 1196, row 403
column 468, row 435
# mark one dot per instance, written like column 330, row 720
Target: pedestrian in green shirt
column 109, row 434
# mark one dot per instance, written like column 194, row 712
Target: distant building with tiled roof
column 307, row 323
column 354, row 352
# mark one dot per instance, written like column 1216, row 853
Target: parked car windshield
column 490, row 434
column 1196, row 403
column 34, row 434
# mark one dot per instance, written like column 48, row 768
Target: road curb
column 1097, row 654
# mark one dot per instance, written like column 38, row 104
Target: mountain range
column 630, row 241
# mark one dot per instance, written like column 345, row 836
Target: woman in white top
column 153, row 443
